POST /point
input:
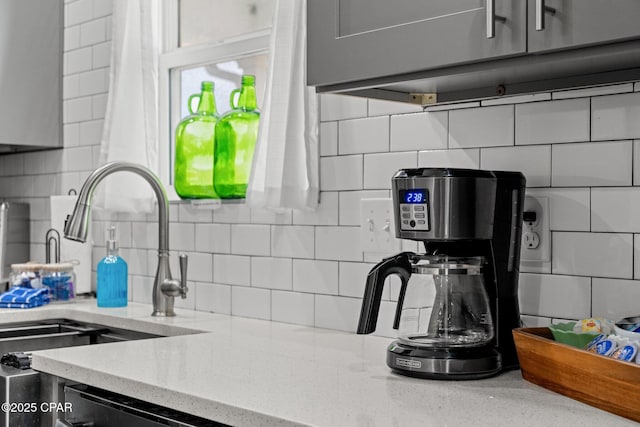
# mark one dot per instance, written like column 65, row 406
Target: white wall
column 579, row 148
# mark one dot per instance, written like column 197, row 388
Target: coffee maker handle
column 398, row 264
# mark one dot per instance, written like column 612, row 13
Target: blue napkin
column 19, row 297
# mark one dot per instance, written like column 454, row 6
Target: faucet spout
column 77, row 226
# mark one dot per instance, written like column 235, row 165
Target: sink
column 26, row 385
column 57, row 333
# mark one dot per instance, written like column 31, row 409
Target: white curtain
column 286, row 160
column 131, row 122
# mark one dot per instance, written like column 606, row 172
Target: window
column 217, row 40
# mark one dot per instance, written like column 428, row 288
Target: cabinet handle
column 541, row 11
column 492, row 18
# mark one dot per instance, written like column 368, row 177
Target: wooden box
column 608, row 384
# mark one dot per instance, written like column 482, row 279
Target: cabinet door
column 351, row 40
column 30, row 73
column 578, row 23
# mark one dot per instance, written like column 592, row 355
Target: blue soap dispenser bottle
column 112, row 274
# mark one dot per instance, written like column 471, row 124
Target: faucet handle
column 183, row 258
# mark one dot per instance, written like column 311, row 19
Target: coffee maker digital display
column 418, row 195
column 458, row 299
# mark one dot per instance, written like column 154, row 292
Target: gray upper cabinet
column 449, row 50
column 360, row 39
column 564, row 24
column 31, row 41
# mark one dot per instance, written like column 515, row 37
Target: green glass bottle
column 235, row 141
column 193, row 169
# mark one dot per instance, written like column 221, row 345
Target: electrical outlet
column 377, row 226
column 536, row 237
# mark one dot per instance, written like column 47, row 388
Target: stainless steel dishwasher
column 25, row 393
column 100, row 408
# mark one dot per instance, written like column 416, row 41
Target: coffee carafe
column 458, row 300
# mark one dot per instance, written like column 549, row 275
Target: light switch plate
column 377, row 226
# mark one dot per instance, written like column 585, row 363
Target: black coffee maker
column 458, row 302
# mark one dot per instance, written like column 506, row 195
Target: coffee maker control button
column 406, row 208
column 406, row 215
column 405, row 221
column 412, row 223
column 420, row 215
column 418, row 208
column 421, row 222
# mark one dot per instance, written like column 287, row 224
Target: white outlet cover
column 542, row 253
column 377, row 226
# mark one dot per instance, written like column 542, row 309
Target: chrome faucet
column 165, row 288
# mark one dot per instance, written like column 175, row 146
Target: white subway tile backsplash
column 533, row 161
column 182, row 236
column 292, row 307
column 591, row 164
column 101, row 55
column 296, row 241
column 102, row 8
column 232, row 269
column 636, row 162
column 380, row 168
column 552, row 122
column 419, row 131
column 272, row 273
column 317, row 277
column 636, row 256
column 481, row 127
column 136, row 259
column 213, row 298
column 338, row 243
column 517, row 99
column 547, row 295
column 141, row 289
column 77, row 110
column 251, row 302
column 341, row 173
column 606, row 211
column 592, row 238
column 213, row 238
column 368, row 135
column 271, row 216
column 78, row 12
column 353, row 277
column 593, row 91
column 93, row 32
column 350, row 204
column 452, row 106
column 190, row 213
column 339, row 313
column 378, row 107
column 341, row 107
column 71, row 86
column 468, row 158
column 593, row 254
column 615, row 116
column 90, row 133
column 200, row 267
column 535, row 321
column 251, row 239
column 325, row 214
column 71, row 38
column 569, row 208
column 615, row 299
column 329, row 139
column 238, row 214
column 78, row 60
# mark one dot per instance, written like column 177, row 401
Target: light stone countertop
column 250, row 372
